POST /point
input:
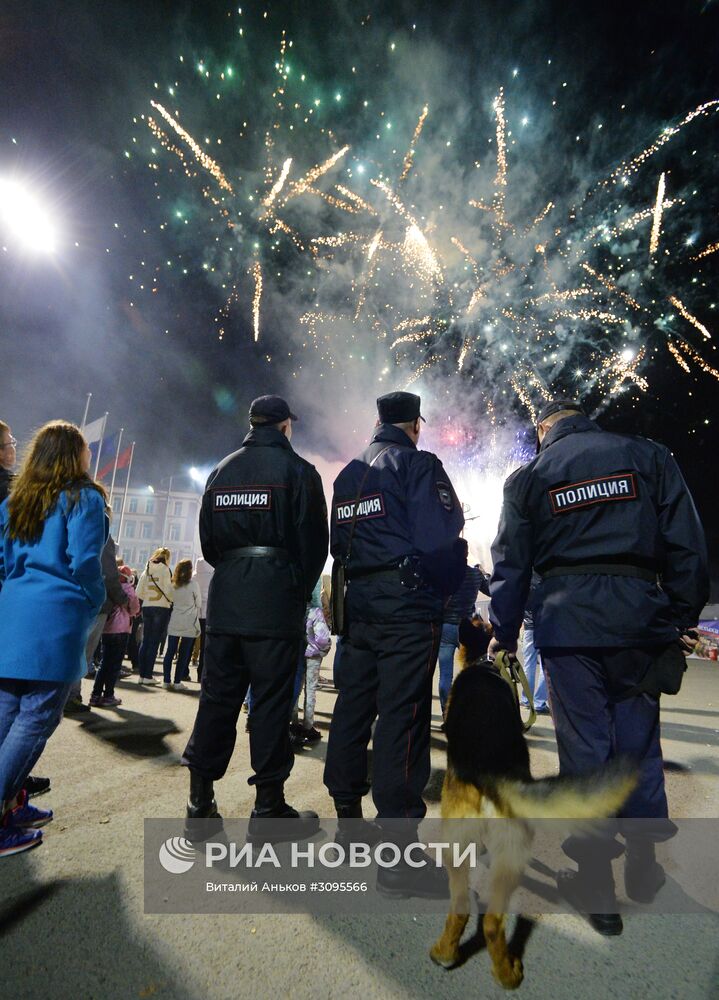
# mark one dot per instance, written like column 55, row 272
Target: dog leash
column 512, row 671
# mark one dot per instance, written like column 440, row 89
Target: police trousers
column 385, row 674
column 232, row 663
column 594, row 723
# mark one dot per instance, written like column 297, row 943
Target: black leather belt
column 256, row 552
column 601, row 569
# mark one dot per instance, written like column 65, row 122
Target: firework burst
column 523, row 300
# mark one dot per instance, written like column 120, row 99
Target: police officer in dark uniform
column 395, row 526
column 608, row 523
column 263, row 526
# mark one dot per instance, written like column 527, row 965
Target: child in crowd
column 184, row 624
column 318, row 646
column 115, row 636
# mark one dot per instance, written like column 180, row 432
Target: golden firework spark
column 698, row 359
column 358, row 201
column 589, row 314
column 611, row 286
column 631, row 166
column 657, row 218
column 410, row 338
column 372, row 248
column 409, row 156
column 677, row 355
column 712, row 248
column 567, row 295
column 425, row 366
column 256, row 298
column 279, row 183
column 523, row 396
column 463, row 353
column 420, row 254
column 319, row 170
column 689, row 317
column 207, row 162
column 411, row 323
column 501, row 178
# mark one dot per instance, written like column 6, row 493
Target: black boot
column 643, row 875
column 269, row 819
column 352, row 828
column 201, row 806
column 402, row 880
column 590, row 890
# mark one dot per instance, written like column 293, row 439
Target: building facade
column 149, row 520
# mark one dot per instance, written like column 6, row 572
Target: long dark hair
column 52, row 465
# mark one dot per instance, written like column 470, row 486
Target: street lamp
column 25, row 218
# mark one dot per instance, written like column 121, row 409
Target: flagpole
column 87, row 407
column 124, row 496
column 99, row 446
column 117, row 457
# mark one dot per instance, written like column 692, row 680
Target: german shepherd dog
column 488, row 777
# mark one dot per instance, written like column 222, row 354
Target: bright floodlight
column 23, row 216
column 196, row 475
column 628, row 354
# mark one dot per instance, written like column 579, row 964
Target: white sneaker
column 149, row 681
column 167, row 687
column 181, row 687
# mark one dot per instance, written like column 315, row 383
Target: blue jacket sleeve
column 685, row 573
column 512, row 558
column 87, row 531
column 436, row 521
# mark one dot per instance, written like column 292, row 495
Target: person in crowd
column 203, row 575
column 327, row 612
column 608, row 524
column 114, row 644
column 534, row 673
column 53, row 528
column 155, row 591
column 8, row 457
column 318, row 646
column 184, row 624
column 134, row 638
column 263, row 526
column 459, row 606
column 34, row 784
column 116, row 597
column 337, row 659
column 396, row 524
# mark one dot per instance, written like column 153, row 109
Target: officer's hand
column 689, row 641
column 495, row 646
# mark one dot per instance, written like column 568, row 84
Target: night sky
column 130, row 305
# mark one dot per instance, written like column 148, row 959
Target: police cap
column 270, row 410
column 556, row 406
column 398, row 408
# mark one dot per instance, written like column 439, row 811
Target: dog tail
column 591, row 796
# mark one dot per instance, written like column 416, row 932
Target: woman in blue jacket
column 53, row 527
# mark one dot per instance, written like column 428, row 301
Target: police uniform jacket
column 263, row 495
column 594, row 498
column 406, row 507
